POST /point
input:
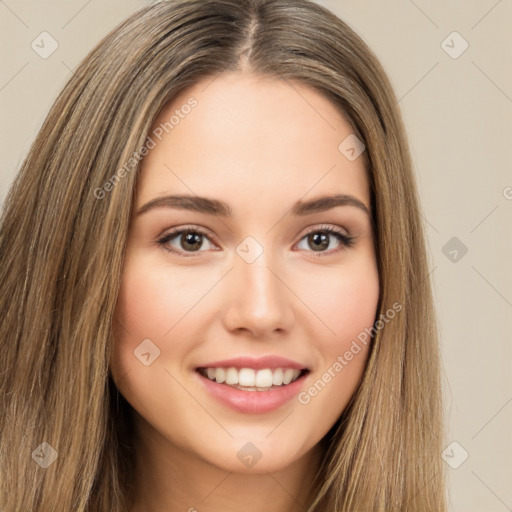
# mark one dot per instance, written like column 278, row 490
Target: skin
column 259, row 145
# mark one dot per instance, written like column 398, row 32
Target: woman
column 214, row 281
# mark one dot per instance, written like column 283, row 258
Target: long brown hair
column 62, row 242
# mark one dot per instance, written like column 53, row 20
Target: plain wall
column 458, row 112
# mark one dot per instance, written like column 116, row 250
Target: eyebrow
column 220, row 208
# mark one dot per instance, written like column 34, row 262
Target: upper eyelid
column 206, row 232
column 322, row 227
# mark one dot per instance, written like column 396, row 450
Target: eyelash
column 346, row 241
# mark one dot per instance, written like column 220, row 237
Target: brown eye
column 184, row 240
column 319, row 240
column 191, row 241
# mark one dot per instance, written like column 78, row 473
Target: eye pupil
column 193, row 240
column 320, row 240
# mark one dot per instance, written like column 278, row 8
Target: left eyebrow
column 325, row 203
column 219, row 208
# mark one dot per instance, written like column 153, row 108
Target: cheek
column 354, row 303
column 147, row 308
column 344, row 300
column 152, row 299
column 347, row 305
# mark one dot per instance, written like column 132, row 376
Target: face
column 250, row 280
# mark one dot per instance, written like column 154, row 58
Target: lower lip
column 253, row 402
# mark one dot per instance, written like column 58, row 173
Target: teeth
column 277, row 377
column 231, row 376
column 219, row 375
column 247, row 377
column 264, row 378
column 250, row 378
column 288, row 375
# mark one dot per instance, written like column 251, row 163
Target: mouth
column 251, row 379
column 253, row 385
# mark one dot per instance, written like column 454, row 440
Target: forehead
column 250, row 138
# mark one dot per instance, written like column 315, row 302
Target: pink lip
column 259, row 363
column 252, row 402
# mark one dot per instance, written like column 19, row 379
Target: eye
column 318, row 238
column 190, row 239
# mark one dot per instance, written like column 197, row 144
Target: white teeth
column 264, row 378
column 288, row 375
column 231, row 376
column 220, row 376
column 277, row 377
column 250, row 378
column 246, row 377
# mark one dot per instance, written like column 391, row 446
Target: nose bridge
column 258, row 299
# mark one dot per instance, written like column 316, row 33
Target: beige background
column 458, row 112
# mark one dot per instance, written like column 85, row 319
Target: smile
column 250, row 379
column 252, row 385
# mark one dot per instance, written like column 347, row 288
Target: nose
column 257, row 299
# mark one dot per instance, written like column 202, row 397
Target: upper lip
column 258, row 363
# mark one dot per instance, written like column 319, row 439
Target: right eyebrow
column 193, row 203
